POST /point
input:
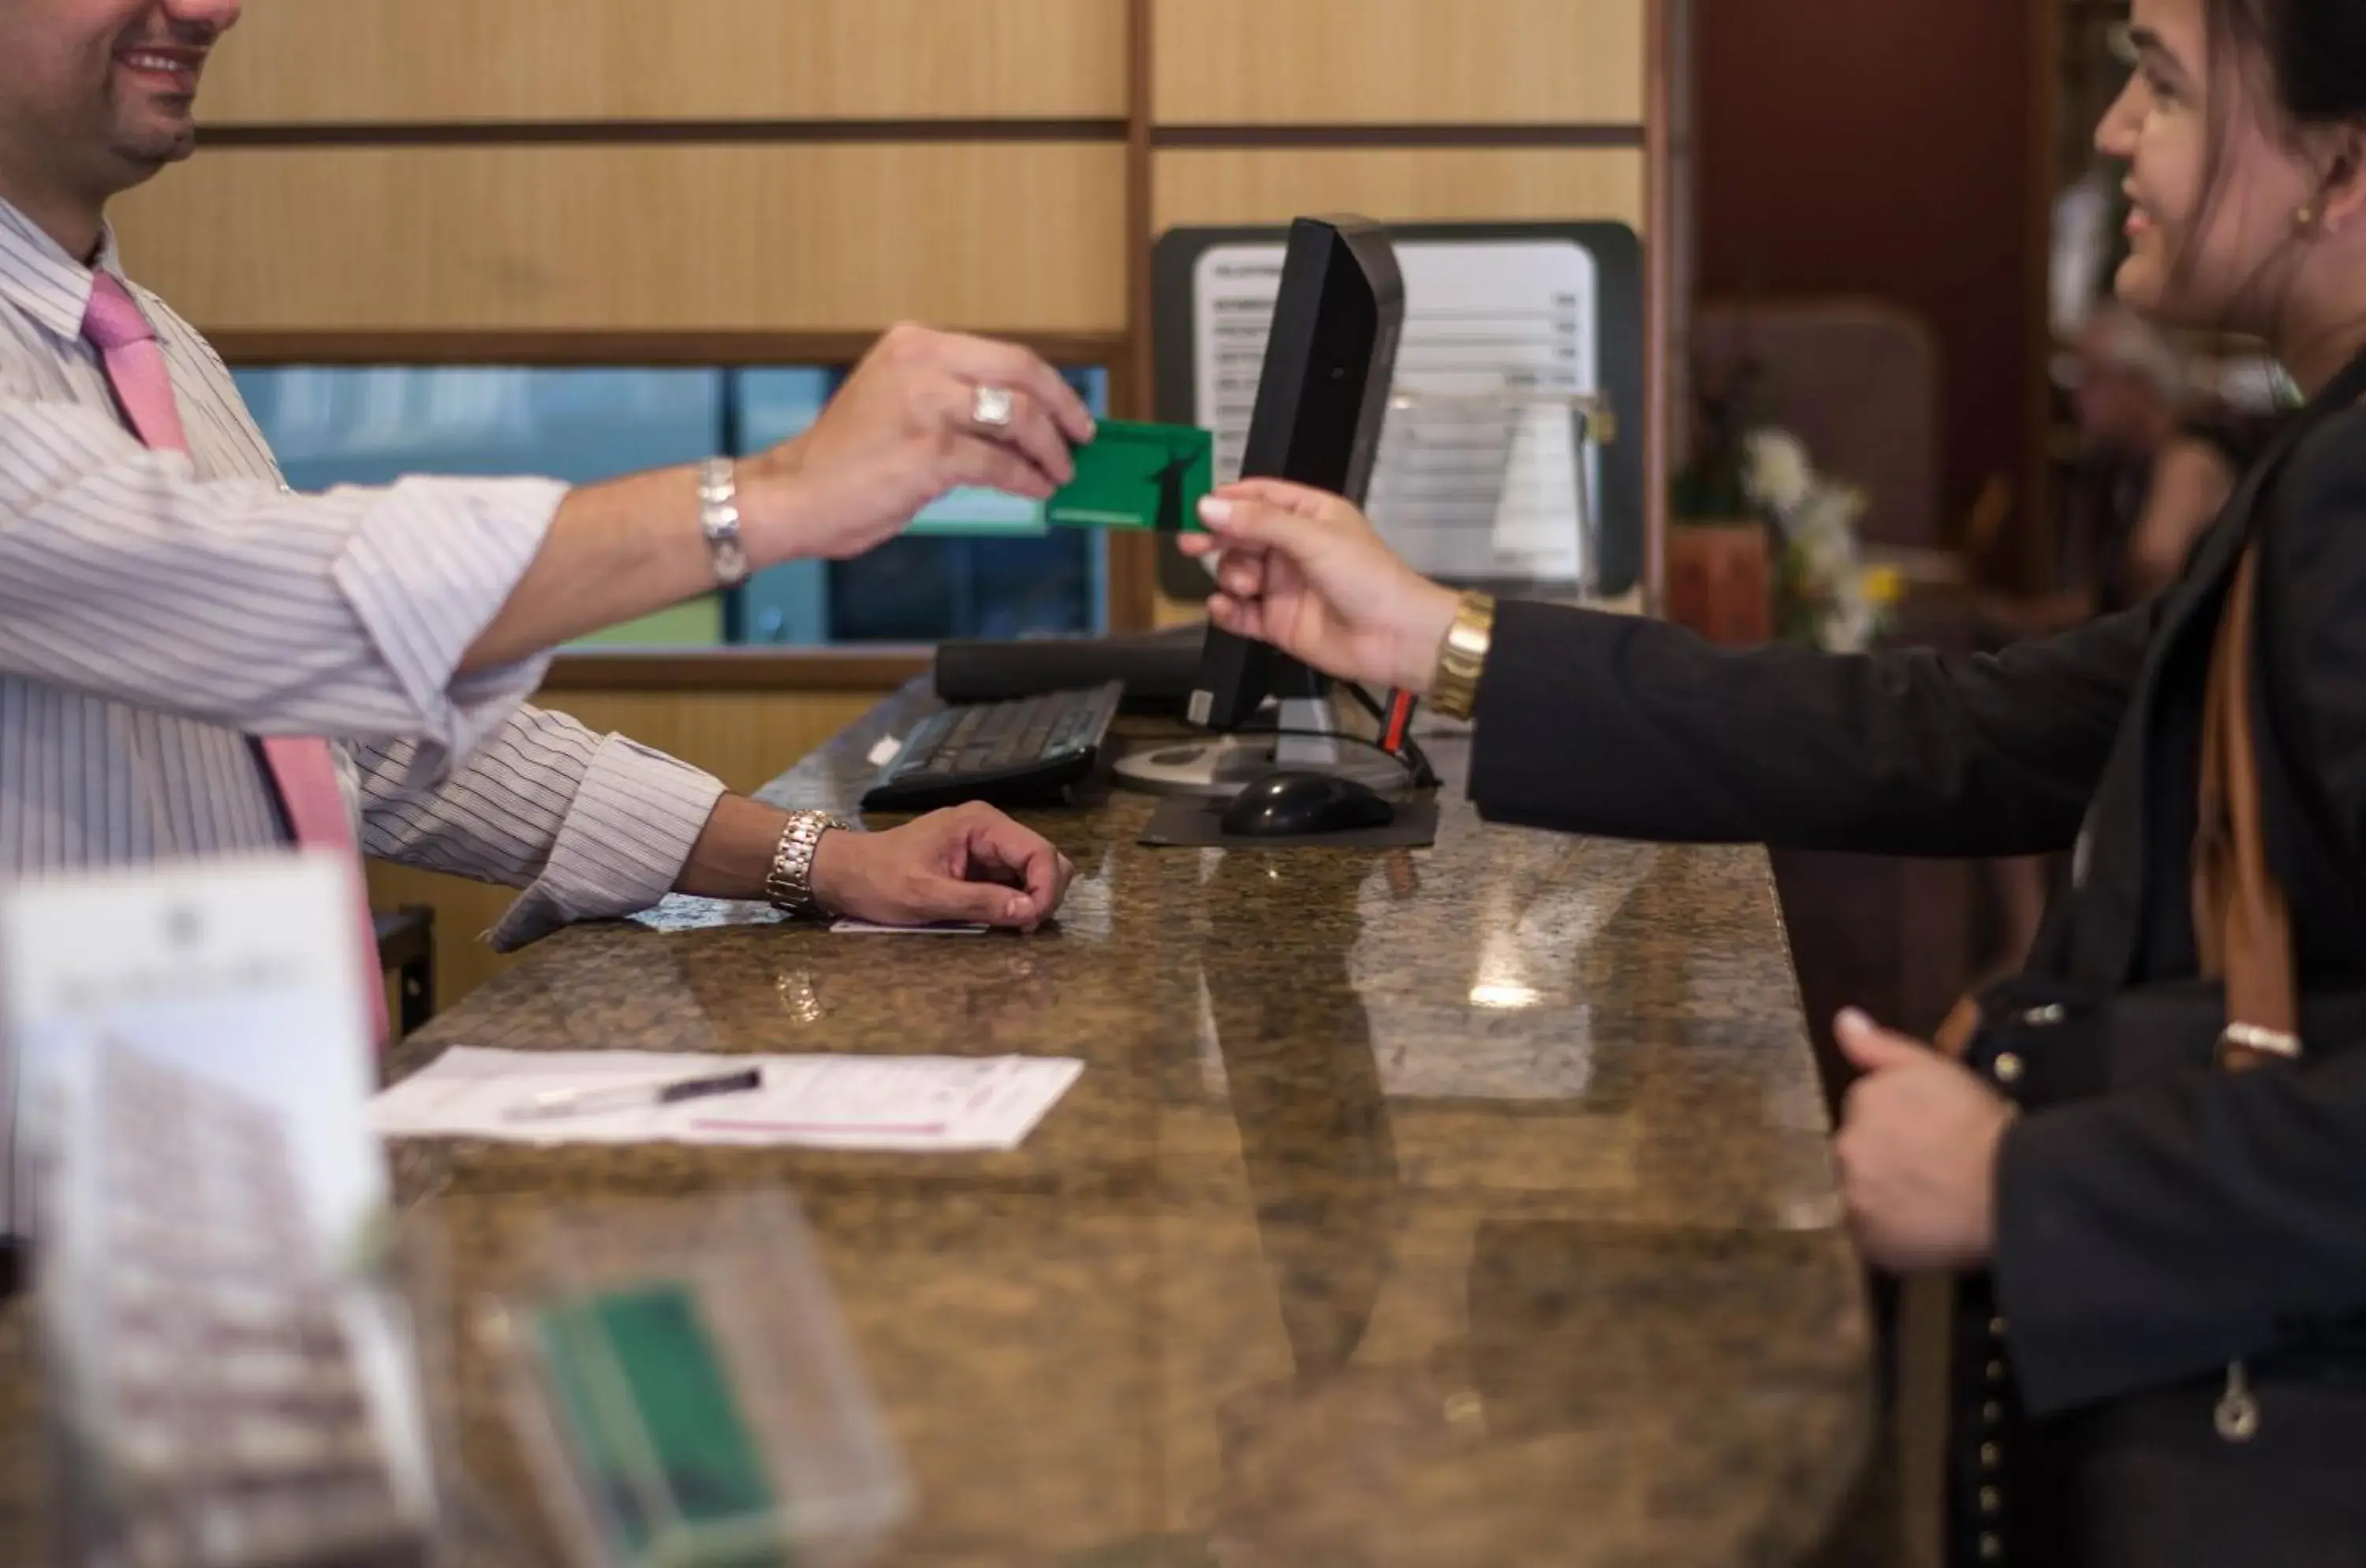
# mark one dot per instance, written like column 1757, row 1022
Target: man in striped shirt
column 167, row 606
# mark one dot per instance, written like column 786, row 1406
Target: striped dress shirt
column 157, row 612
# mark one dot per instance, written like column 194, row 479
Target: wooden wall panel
column 1198, row 185
column 412, row 61
column 1399, row 62
column 1003, row 236
column 744, row 739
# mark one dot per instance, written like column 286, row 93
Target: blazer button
column 2007, row 1068
column 1996, row 1328
column 1992, row 1549
column 1992, row 1413
column 1991, row 1456
column 1996, row 1371
column 1991, row 1500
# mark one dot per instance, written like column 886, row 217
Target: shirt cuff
column 635, row 819
column 425, row 573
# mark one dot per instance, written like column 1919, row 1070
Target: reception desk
column 1468, row 1206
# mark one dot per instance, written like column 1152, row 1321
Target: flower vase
column 1722, row 580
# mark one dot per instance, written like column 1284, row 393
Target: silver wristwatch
column 789, row 885
column 718, row 519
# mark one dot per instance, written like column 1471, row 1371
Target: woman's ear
column 2340, row 203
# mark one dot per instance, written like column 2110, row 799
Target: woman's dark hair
column 2320, row 51
column 2306, row 61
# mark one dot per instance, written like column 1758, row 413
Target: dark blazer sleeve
column 1635, row 728
column 2156, row 1233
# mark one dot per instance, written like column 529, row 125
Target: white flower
column 1829, row 560
column 1828, row 515
column 1823, row 531
column 1850, row 628
column 1776, row 473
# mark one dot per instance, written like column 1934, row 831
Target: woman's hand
column 903, row 430
column 1917, row 1152
column 967, row 862
column 1304, row 570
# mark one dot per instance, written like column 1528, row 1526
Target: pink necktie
column 303, row 768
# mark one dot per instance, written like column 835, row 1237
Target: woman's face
column 2200, row 258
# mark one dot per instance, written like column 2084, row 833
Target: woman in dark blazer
column 2120, row 1244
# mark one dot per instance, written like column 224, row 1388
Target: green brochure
column 1137, row 476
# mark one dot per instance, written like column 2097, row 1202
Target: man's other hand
column 967, row 862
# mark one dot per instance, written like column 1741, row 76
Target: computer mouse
column 1288, row 805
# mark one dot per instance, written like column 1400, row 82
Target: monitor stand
column 1220, row 766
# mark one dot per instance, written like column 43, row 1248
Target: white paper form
column 914, row 1105
column 1463, row 491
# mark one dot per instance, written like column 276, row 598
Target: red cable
column 1400, row 719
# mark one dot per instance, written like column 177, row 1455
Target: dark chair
column 406, row 948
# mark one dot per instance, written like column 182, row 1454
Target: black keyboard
column 1021, row 750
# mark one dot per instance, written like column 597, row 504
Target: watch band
column 1462, row 656
column 789, row 885
column 718, row 520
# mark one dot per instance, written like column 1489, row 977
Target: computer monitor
column 1321, row 397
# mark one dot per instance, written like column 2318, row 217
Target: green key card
column 1137, row 476
column 642, row 1390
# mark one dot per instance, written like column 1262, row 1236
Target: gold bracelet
column 1462, row 656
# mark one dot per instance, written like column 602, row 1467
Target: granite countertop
column 1463, row 1205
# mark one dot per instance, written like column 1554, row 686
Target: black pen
column 630, row 1097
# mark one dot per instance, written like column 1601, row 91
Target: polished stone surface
column 1466, row 1206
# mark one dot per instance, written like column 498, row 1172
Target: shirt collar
column 39, row 277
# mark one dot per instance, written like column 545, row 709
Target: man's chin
column 154, row 146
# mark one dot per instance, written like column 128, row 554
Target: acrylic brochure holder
column 229, row 1375
column 687, row 1397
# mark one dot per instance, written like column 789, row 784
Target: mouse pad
column 1189, row 822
